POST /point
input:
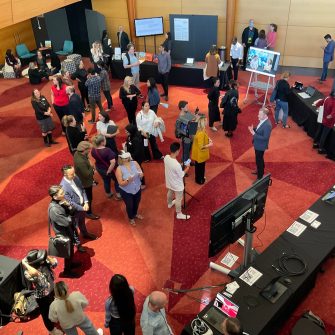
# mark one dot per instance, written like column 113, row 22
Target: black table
column 258, row 315
column 305, row 115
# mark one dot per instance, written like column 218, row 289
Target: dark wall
column 202, row 34
column 40, row 30
column 96, row 24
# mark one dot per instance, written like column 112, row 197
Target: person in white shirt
column 68, row 310
column 236, row 55
column 146, row 121
column 174, row 175
column 153, row 317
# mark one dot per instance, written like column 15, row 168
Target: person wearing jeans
column 129, row 175
column 283, row 92
column 164, row 67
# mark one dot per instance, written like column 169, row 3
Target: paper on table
column 250, row 276
column 315, row 224
column 309, row 216
column 232, row 287
column 296, row 228
column 229, row 259
column 304, row 95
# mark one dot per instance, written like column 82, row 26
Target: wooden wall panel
column 200, row 7
column 304, row 61
column 151, row 8
column 5, row 7
column 111, row 9
column 312, row 13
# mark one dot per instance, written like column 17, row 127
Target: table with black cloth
column 12, row 281
column 305, row 115
column 261, row 317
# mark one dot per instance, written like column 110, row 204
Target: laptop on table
column 221, row 309
column 189, row 62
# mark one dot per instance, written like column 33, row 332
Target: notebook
column 221, row 309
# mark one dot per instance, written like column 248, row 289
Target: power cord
column 284, row 269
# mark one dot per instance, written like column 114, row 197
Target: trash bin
column 222, row 52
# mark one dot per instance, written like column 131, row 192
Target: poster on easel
column 263, row 61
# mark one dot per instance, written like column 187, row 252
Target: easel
column 259, row 85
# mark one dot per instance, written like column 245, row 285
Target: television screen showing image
column 149, row 26
column 263, row 61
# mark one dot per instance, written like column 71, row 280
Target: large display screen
column 263, row 61
column 149, row 26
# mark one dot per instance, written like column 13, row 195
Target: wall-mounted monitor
column 149, row 26
column 263, row 61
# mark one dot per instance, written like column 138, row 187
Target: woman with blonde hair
column 68, row 310
column 200, row 150
column 128, row 94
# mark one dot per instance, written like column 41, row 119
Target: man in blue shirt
column 130, row 61
column 328, row 56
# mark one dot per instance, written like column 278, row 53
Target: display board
column 192, row 35
column 263, row 61
column 149, row 26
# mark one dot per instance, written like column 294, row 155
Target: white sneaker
column 172, row 203
column 182, row 216
column 100, row 331
column 214, row 128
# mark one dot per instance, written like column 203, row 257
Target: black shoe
column 95, row 183
column 192, row 164
column 162, row 95
column 315, row 145
column 322, row 151
column 76, row 265
column 80, row 248
column 54, row 142
column 68, row 274
column 90, row 236
column 92, row 216
column 253, row 172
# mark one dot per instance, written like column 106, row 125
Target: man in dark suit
column 76, row 196
column 123, row 39
column 328, row 56
column 249, row 37
column 261, row 135
column 76, row 106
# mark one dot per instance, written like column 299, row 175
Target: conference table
column 305, row 115
column 258, row 315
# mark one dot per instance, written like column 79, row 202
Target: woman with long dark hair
column 153, row 94
column 13, row 62
column 81, row 76
column 120, row 307
column 103, row 127
column 167, row 44
column 213, row 103
column 230, row 104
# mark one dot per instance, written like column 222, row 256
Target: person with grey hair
column 249, row 37
column 153, row 317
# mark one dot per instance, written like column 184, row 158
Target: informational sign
column 181, row 30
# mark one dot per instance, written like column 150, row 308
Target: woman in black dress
column 81, row 76
column 167, row 44
column 128, row 94
column 213, row 103
column 230, row 104
column 74, row 134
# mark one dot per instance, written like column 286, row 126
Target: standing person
column 283, row 92
column 212, row 65
column 328, row 56
column 328, row 121
column 128, row 94
column 85, row 171
column 271, row 37
column 261, row 41
column 134, row 145
column 153, row 95
column 174, row 180
column 129, row 175
column 43, row 116
column 60, row 215
column 59, row 99
column 120, row 309
column 249, row 36
column 261, row 136
column 102, row 128
column 145, row 120
column 76, row 107
column 130, row 61
column 93, row 84
column 74, row 134
column 213, row 103
column 230, row 104
column 164, row 67
column 106, row 48
column 153, row 317
column 55, row 63
column 123, row 39
column 105, row 163
column 236, row 55
column 75, row 194
column 231, row 326
column 200, row 150
column 81, row 76
column 38, row 268
column 167, row 44
column 105, row 84
column 68, row 310
column 13, row 62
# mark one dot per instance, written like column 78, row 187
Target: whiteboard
column 149, row 26
column 181, row 29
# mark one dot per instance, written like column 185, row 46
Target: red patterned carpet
column 161, row 250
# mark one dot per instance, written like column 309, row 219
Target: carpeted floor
column 160, row 251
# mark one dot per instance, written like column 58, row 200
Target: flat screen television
column 263, row 61
column 149, row 26
column 228, row 223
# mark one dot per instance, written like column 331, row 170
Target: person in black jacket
column 213, row 103
column 55, row 63
column 81, row 76
column 128, row 94
column 14, row 62
column 123, row 39
column 74, row 134
column 35, row 75
column 43, row 115
column 134, row 145
column 283, row 91
column 76, row 107
column 230, row 104
column 167, row 44
column 249, row 37
column 41, row 62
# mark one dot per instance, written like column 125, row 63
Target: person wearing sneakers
column 283, row 91
column 174, row 175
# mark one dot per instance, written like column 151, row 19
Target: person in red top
column 328, row 121
column 59, row 99
column 271, row 37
